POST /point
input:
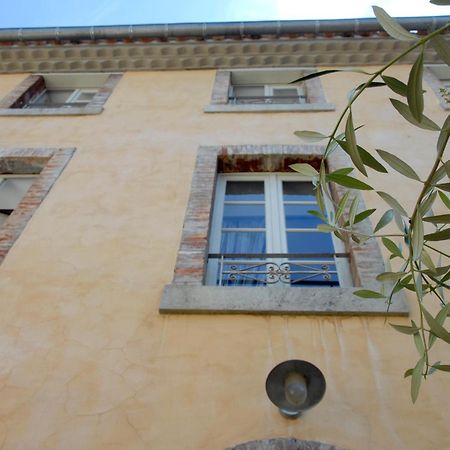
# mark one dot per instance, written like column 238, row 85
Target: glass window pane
column 297, row 216
column 243, row 242
column 244, row 191
column 243, row 273
column 298, row 191
column 12, row 190
column 243, row 216
column 309, row 242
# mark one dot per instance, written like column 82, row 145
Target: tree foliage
column 424, row 267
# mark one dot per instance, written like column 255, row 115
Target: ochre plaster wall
column 86, row 360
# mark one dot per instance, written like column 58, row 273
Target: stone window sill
column 188, row 299
column 85, row 110
column 304, row 107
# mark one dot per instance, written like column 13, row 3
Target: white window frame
column 77, row 93
column 268, row 92
column 275, row 229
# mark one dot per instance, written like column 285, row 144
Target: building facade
column 134, row 161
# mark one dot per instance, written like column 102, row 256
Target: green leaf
column 392, row 247
column 341, row 205
column 441, row 172
column 391, row 27
column 445, row 199
column 310, row 136
column 350, row 182
column 442, row 48
column 351, row 147
column 325, row 228
column 408, row 373
column 395, row 85
column 440, row 318
column 353, row 209
column 443, row 136
column 384, row 220
column 426, row 205
column 442, row 218
column 403, row 109
column 370, row 161
column 364, row 215
column 438, row 236
column 320, row 201
column 304, row 169
column 436, row 328
column 416, row 379
column 390, row 276
column 443, row 367
column 344, row 171
column 415, row 92
column 327, row 72
column 426, row 259
column 317, row 214
column 367, row 293
column 444, row 186
column 393, row 203
column 440, row 2
column 398, row 165
column 404, row 329
column 417, row 237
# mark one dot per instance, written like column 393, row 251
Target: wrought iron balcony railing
column 262, row 269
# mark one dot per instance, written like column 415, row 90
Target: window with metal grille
column 263, row 234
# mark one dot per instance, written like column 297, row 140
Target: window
column 190, row 291
column 266, row 90
column 12, row 189
column 438, row 77
column 26, row 177
column 60, row 94
column 263, row 235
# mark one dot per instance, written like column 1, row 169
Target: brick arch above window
column 188, row 294
column 284, row 444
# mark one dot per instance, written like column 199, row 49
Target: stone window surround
column 283, row 444
column 33, row 84
column 435, row 84
column 222, row 83
column 48, row 163
column 187, row 292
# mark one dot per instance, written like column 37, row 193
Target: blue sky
column 40, row 13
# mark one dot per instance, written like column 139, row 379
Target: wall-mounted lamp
column 295, row 386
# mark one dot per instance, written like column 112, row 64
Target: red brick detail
column 24, row 92
column 48, row 163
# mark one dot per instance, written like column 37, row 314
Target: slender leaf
column 304, row 169
column 395, row 85
column 442, row 48
column 364, row 215
column 426, row 205
column 403, row 109
column 351, row 147
column 390, row 276
column 317, row 214
column 353, row 209
column 367, row 293
column 391, row 27
column 440, row 318
column 440, row 2
column 436, row 328
column 326, row 72
column 426, row 259
column 405, row 329
column 310, row 136
column 325, row 228
column 441, row 172
column 416, row 379
column 443, row 136
column 370, row 161
column 392, row 247
column 341, row 205
column 320, row 201
column 393, row 203
column 443, row 367
column 438, row 236
column 399, row 165
column 408, row 373
column 444, row 186
column 442, row 218
column 418, row 342
column 417, row 237
column 445, row 199
column 344, row 171
column 384, row 220
column 350, row 182
column 415, row 92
